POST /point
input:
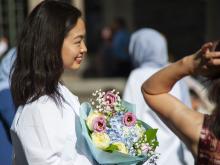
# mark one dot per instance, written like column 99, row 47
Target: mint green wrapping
column 101, row 156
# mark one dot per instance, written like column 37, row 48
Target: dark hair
column 38, row 65
column 214, row 97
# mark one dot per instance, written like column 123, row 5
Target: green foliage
column 111, row 148
column 151, row 135
column 139, row 123
column 89, row 132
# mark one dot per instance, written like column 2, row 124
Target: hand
column 206, row 61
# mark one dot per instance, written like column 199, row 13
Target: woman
column 201, row 133
column 148, row 51
column 7, row 108
column 46, row 126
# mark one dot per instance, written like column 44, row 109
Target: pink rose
column 110, row 98
column 129, row 119
column 99, row 124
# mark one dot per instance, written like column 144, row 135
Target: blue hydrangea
column 118, row 132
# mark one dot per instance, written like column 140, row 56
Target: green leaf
column 155, row 144
column 89, row 132
column 108, row 124
column 112, row 148
column 151, row 135
column 139, row 123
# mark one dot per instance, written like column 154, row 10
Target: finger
column 209, row 55
column 214, row 62
column 207, row 47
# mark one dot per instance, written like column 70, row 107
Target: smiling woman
column 74, row 48
column 46, row 128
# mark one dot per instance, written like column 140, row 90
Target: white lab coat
column 44, row 134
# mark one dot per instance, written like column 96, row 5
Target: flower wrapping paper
column 115, row 157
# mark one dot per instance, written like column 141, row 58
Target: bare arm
column 184, row 123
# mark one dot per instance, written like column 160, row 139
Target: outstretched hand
column 207, row 61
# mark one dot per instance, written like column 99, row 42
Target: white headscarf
column 148, row 48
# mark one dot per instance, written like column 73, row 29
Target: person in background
column 148, row 51
column 104, row 61
column 200, row 132
column 46, row 129
column 7, row 108
column 120, row 42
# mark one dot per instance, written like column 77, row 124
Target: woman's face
column 74, row 48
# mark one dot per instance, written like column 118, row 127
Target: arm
column 184, row 123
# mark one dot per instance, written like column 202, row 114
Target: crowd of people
column 112, row 58
column 39, row 115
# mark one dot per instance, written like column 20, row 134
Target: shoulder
column 48, row 105
column 44, row 102
column 42, row 108
column 45, row 108
column 138, row 72
column 135, row 81
column 141, row 74
column 65, row 90
column 71, row 99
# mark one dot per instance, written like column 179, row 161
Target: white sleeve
column 44, row 137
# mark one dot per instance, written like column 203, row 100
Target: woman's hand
column 206, row 61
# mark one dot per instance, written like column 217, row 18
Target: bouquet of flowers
column 113, row 133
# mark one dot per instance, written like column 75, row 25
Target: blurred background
column 186, row 24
